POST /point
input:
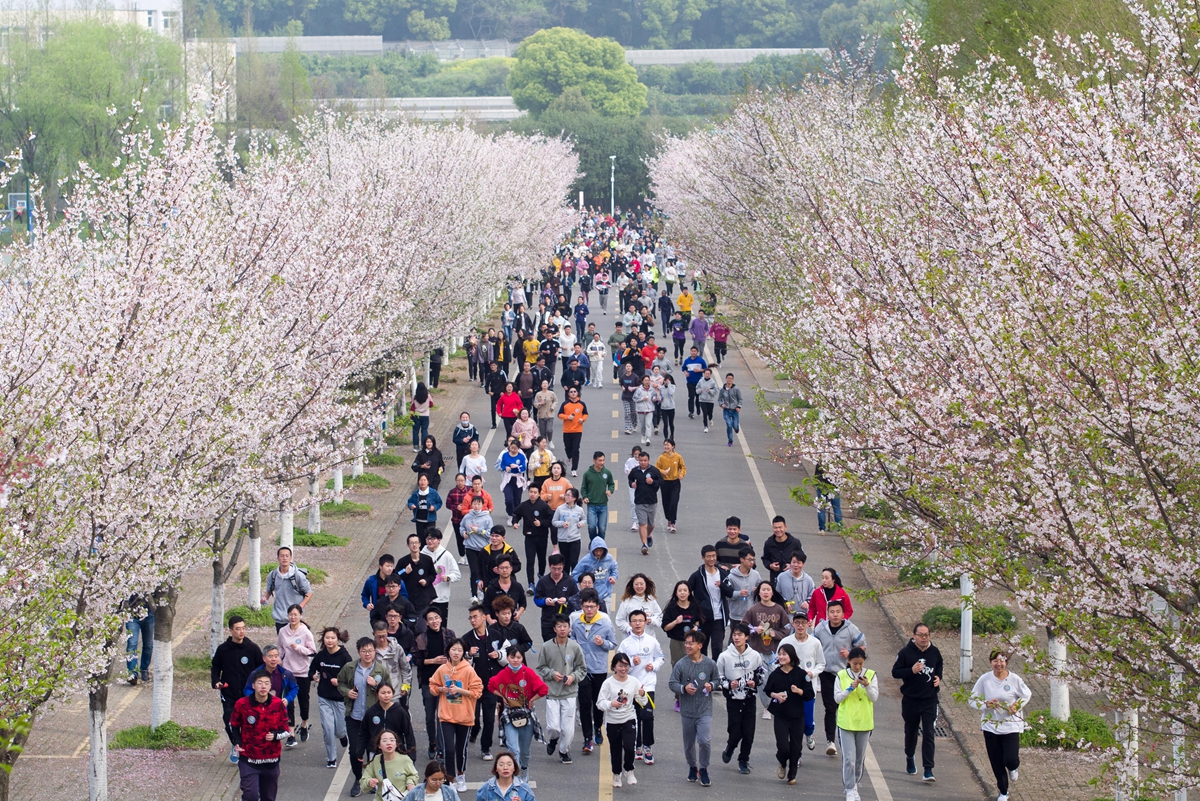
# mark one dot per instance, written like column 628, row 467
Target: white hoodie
column 447, row 565
column 648, row 651
column 810, row 653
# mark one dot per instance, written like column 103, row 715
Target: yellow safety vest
column 857, row 712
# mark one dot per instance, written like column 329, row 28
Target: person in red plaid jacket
column 260, row 726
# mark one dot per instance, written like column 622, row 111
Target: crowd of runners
column 586, row 649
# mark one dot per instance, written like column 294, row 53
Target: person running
column 789, row 689
column 1001, row 696
column 508, row 406
column 698, row 328
column 573, row 414
column 597, row 486
column 512, row 466
column 482, row 650
column 289, row 585
column 681, row 616
column 730, row 400
column 919, row 667
column 593, row 630
column 646, row 481
column 554, row 489
column 693, row 679
column 831, row 590
column 455, row 499
column 644, row 398
column 630, row 465
column 811, row 656
column 357, row 682
column 670, row 464
column 391, row 772
column 535, row 517
column 258, row 725
column 706, row 397
column 540, row 461
column 419, row 408
column 616, row 345
column 232, row 663
column 436, row 787
column 720, row 334
column 647, row 660
column 463, row 435
column 546, row 404
column 619, row 697
column 561, row 666
column 518, row 688
column 838, row 637
column 505, row 585
column 570, row 521
column 778, row 549
column 476, row 526
column 768, row 621
column 666, row 406
column 429, row 462
column 325, row 666
column 693, row 368
column 526, row 432
column 685, row 302
column 795, row 587
column 597, row 354
column 603, row 283
column 458, row 688
column 474, row 464
column 639, row 595
column 297, row 646
column 740, row 672
column 630, row 382
column 424, row 503
column 856, row 692
column 445, row 570
column 429, row 653
column 497, row 384
column 553, row 594
column 388, row 715
column 602, row 566
column 745, row 580
column 712, row 589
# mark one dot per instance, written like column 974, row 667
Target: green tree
column 553, row 60
column 294, row 88
column 845, row 25
column 422, row 19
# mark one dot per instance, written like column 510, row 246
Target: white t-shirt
column 714, row 592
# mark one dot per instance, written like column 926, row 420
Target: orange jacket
column 459, row 710
column 577, row 408
column 466, row 504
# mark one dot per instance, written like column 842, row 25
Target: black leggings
column 357, row 746
column 570, row 552
column 475, row 564
column 720, row 350
column 302, row 699
column 455, row 739
column 830, row 705
column 1003, row 752
column 706, row 412
column 670, row 499
column 571, row 442
column 789, row 739
column 621, row 737
column 679, row 343
column 668, row 423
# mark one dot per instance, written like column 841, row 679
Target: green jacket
column 596, row 483
column 567, row 660
column 402, row 771
column 345, row 683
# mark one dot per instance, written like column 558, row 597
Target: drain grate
column 940, row 731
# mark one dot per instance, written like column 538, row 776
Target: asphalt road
column 721, row 481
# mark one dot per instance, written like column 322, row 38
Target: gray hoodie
column 706, row 389
column 687, row 672
column 663, row 363
column 565, row 659
column 730, row 397
column 848, row 636
column 737, row 604
column 289, row 589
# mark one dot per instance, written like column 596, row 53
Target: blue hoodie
column 603, row 568
column 595, row 656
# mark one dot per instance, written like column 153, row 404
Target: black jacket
column 394, row 719
column 918, row 685
column 547, row 587
column 780, row 552
column 698, row 584
column 485, row 666
column 420, row 597
column 436, row 465
column 495, row 380
column 514, row 633
column 573, row 378
column 643, row 492
column 233, row 663
column 528, row 511
column 516, row 591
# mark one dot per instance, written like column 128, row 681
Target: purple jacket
column 699, row 330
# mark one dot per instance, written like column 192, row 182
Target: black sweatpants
column 1003, row 752
column 827, row 683
column 789, row 740
column 920, row 716
column 720, row 350
column 571, row 442
column 670, row 499
column 644, row 717
column 590, row 717
column 715, row 631
column 357, row 746
column 485, row 714
column 620, row 745
column 227, row 702
column 535, row 549
column 693, row 401
column 570, row 552
column 679, row 346
column 456, row 737
column 742, row 718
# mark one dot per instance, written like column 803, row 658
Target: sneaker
column 233, row 754
column 649, row 542
column 574, row 474
column 929, row 777
column 691, row 416
column 460, row 783
column 431, row 754
column 633, row 527
column 588, row 746
column 766, row 715
column 811, row 742
column 1012, row 775
column 744, row 768
column 637, row 754
column 706, row 429
column 693, row 775
column 629, row 777
column 291, row 741
column 648, row 757
column 617, row 781
column 599, row 738
column 857, row 797
column 133, row 678
column 462, row 560
column 487, row 756
column 145, row 675
column 830, row 749
column 565, row 757
column 656, row 431
column 551, row 744
column 331, row 764
column 730, row 443
column 529, row 591
column 1002, row 797
column 727, row 754
column 304, row 733
column 792, row 780
column 704, row 780
column 910, row 765
column 782, row 772
column 355, row 790
column 645, row 550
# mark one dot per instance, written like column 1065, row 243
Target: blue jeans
column 732, row 421
column 597, row 520
column 143, row 628
column 420, row 425
column 519, row 741
column 835, row 502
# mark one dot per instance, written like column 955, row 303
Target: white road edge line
column 876, row 776
column 339, row 778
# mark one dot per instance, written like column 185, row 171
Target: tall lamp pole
column 612, row 187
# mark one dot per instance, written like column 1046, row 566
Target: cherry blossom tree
column 986, row 288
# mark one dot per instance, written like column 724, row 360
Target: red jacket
column 720, row 332
column 517, row 687
column 509, row 405
column 817, row 607
column 252, row 721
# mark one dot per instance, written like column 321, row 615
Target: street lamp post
column 612, row 187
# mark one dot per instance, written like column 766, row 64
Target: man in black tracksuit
column 487, row 660
column 232, row 664
column 919, row 668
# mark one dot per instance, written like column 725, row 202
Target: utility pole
column 612, row 187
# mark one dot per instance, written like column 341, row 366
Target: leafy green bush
column 927, row 575
column 315, row 574
column 169, row 736
column 1082, row 731
column 987, row 619
column 384, row 460
column 876, row 511
column 397, row 440
column 255, row 619
column 365, row 481
column 335, row 511
column 302, row 539
column 800, row 403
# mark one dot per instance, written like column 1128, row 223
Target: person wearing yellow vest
column 855, row 691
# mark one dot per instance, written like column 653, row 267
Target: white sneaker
column 629, row 777
column 460, row 783
column 617, row 782
column 857, row 797
column 766, row 715
column 706, row 429
column 830, row 749
column 1012, row 775
column 1002, row 797
column 574, row 474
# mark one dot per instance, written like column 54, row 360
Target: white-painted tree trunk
column 314, row 507
column 360, row 450
column 339, row 494
column 965, row 656
column 98, row 743
column 162, row 662
column 1060, row 694
column 254, row 592
column 1127, row 773
column 286, row 525
column 216, row 628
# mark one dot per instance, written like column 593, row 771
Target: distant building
column 164, row 17
column 433, row 109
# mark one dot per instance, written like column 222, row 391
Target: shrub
column 927, row 575
column 302, row 539
column 384, row 460
column 169, row 736
column 335, row 511
column 987, row 619
column 396, row 440
column 315, row 574
column 876, row 511
column 260, row 619
column 1082, row 731
column 365, row 481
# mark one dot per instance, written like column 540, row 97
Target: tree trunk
column 13, row 739
column 254, row 577
column 338, row 485
column 1060, row 694
column 216, row 629
column 359, row 449
column 965, row 655
column 221, row 573
column 163, row 660
column 286, row 525
column 98, row 746
column 314, row 507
